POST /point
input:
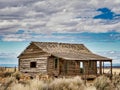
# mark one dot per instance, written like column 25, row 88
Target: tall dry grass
column 67, row 84
column 103, row 83
column 31, row 85
column 116, row 81
column 18, row 81
column 57, row 84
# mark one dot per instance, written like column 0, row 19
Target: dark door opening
column 56, row 63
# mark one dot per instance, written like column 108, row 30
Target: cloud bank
column 54, row 16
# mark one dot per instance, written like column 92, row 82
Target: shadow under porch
column 77, row 67
column 84, row 68
column 59, row 67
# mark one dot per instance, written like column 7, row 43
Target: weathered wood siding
column 41, row 65
column 69, row 67
column 52, row 71
column 33, row 54
column 50, row 66
column 90, row 67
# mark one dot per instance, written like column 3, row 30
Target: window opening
column 33, row 64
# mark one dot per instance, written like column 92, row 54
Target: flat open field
column 8, row 69
column 106, row 70
column 115, row 70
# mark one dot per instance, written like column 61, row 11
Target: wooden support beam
column 58, row 66
column 111, row 69
column 87, row 67
column 19, row 65
column 103, row 67
column 66, row 67
column 96, row 67
column 84, row 71
column 85, row 78
column 76, row 67
column 100, row 67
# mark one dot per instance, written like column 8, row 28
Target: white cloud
column 16, row 37
column 115, row 55
column 7, row 55
column 8, row 58
column 50, row 16
column 12, row 39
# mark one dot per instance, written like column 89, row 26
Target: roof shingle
column 69, row 51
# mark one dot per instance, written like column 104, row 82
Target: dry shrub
column 32, row 85
column 17, row 75
column 8, row 82
column 91, row 88
column 19, row 87
column 57, row 84
column 2, row 69
column 116, row 81
column 5, row 74
column 38, row 85
column 103, row 83
column 75, row 83
column 67, row 84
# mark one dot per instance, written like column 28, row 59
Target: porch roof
column 80, row 56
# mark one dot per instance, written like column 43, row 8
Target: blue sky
column 95, row 23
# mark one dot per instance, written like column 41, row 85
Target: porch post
column 103, row 67
column 58, row 66
column 18, row 64
column 100, row 67
column 76, row 67
column 88, row 67
column 66, row 67
column 111, row 68
column 85, row 73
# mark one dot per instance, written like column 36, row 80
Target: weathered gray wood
column 69, row 57
column 33, row 54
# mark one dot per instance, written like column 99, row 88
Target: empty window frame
column 33, row 64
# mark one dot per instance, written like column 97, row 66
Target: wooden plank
column 103, row 67
column 100, row 67
column 111, row 69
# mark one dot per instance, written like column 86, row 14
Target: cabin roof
column 68, row 51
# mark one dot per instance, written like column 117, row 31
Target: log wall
column 69, row 67
column 52, row 71
column 90, row 67
column 33, row 54
column 41, row 65
column 50, row 65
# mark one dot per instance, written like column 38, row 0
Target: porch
column 84, row 68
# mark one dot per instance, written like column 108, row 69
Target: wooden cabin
column 61, row 59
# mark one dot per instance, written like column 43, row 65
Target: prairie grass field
column 12, row 79
column 115, row 70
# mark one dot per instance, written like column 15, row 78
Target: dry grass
column 75, row 83
column 31, row 85
column 57, row 84
column 103, row 83
column 115, row 70
column 116, row 81
column 19, row 81
column 67, row 84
